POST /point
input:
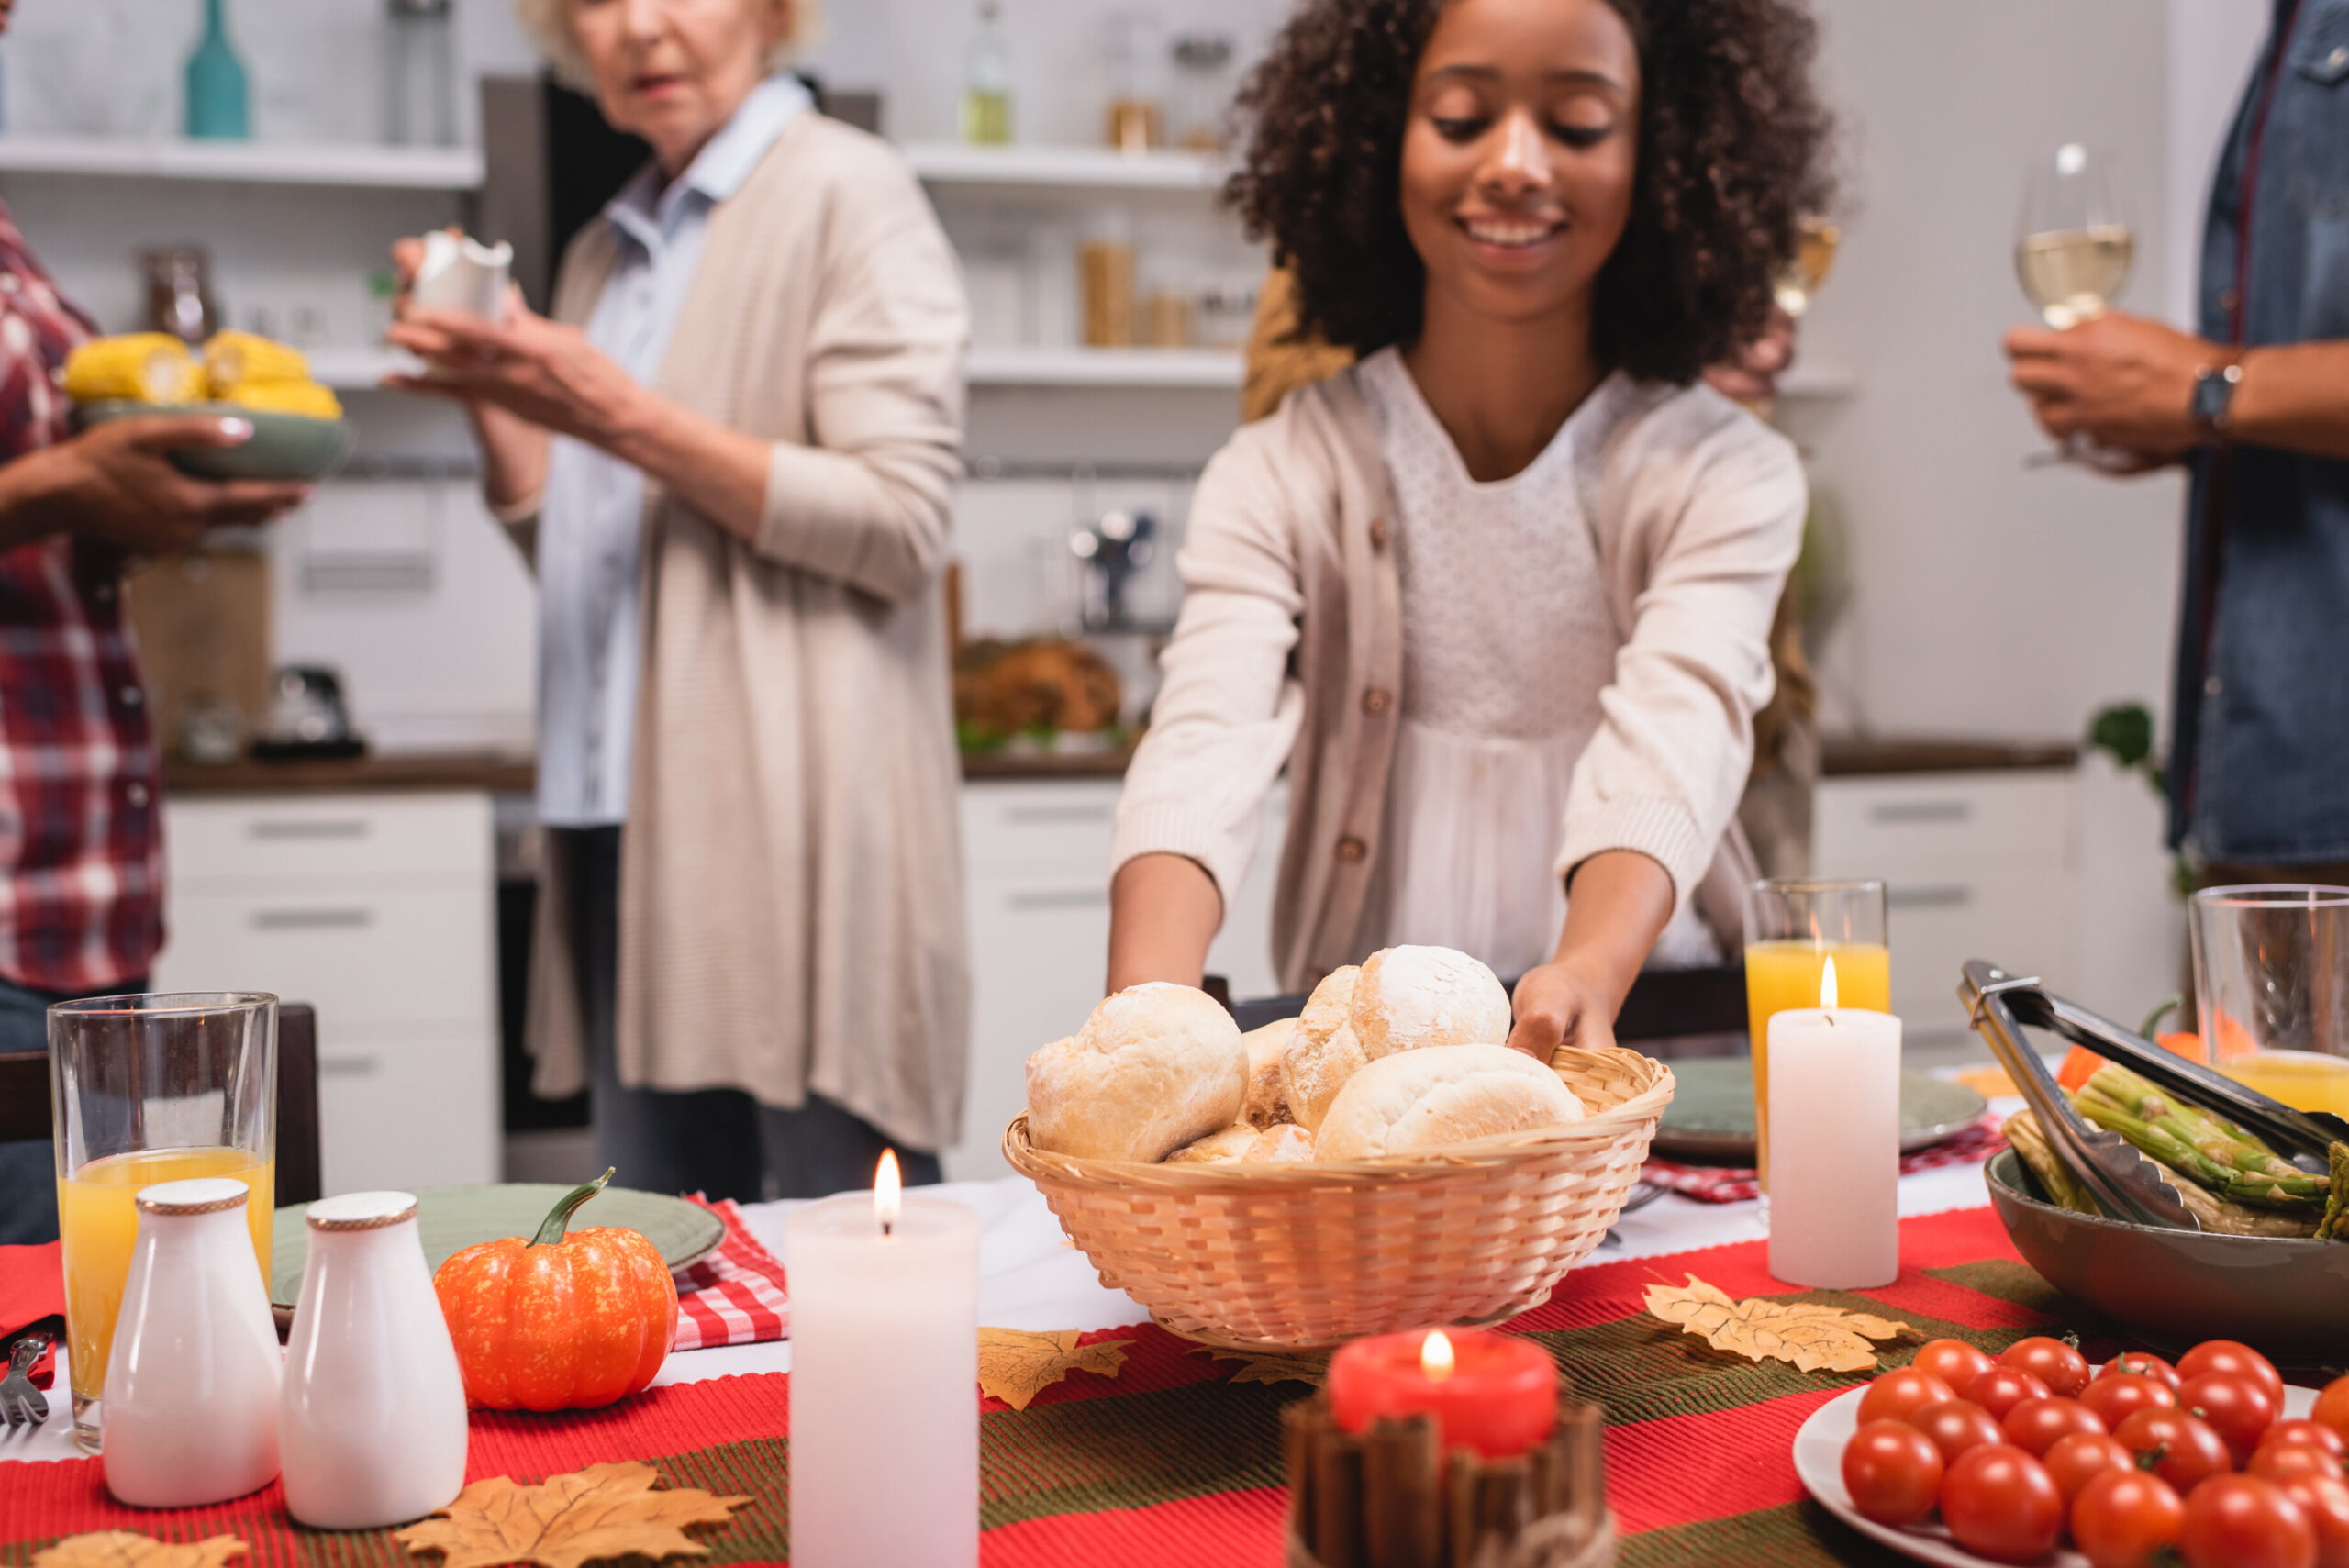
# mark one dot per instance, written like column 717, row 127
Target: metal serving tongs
column 2124, row 1180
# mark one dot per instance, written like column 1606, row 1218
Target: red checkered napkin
column 736, row 1294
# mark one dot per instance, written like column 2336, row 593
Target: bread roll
column 1228, row 1146
column 1154, row 1067
column 1287, row 1144
column 1322, row 1052
column 1410, row 997
column 1267, row 1101
column 1414, row 1101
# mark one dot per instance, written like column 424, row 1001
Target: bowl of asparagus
column 2171, row 1200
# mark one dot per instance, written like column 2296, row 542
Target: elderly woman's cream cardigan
column 791, row 892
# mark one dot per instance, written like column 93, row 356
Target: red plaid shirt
column 81, row 785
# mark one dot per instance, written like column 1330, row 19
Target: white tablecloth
column 1030, row 1277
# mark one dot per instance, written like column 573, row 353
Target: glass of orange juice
column 149, row 1089
column 2271, row 969
column 1792, row 928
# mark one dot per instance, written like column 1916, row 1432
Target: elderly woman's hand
column 528, row 366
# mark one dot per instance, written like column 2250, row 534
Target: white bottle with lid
column 191, row 1400
column 372, row 1421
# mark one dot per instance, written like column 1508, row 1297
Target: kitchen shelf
column 1207, row 369
column 350, row 367
column 1063, row 167
column 247, row 162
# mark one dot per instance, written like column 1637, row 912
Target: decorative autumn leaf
column 1016, row 1365
column 605, row 1510
column 123, row 1549
column 1258, row 1367
column 1812, row 1338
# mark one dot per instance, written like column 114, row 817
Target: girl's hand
column 537, row 370
column 1557, row 1004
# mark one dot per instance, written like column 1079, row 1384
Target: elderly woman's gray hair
column 549, row 24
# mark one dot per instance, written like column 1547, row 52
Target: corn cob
column 233, row 359
column 141, row 367
column 2198, row 1146
column 305, row 397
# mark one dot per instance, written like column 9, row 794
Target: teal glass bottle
column 215, row 81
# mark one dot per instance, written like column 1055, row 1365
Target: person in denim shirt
column 2257, row 407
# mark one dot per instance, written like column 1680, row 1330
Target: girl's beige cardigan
column 1290, row 650
column 791, row 891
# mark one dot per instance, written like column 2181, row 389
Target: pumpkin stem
column 558, row 1219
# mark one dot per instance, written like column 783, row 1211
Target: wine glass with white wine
column 1815, row 243
column 2073, row 249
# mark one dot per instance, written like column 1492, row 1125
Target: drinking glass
column 149, row 1089
column 2073, row 249
column 2271, row 970
column 1793, row 926
column 1814, row 254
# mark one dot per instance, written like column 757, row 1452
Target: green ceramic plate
column 455, row 1218
column 284, row 446
column 1711, row 1114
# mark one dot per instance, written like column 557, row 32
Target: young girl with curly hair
column 1499, row 594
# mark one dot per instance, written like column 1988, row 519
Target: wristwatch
column 2214, row 394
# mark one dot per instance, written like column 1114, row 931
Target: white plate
column 1818, row 1460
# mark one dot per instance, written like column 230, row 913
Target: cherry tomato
column 2140, row 1363
column 2185, row 1449
column 2117, row 1396
column 1957, row 1425
column 2226, row 1356
column 2054, row 1362
column 2238, row 1409
column 1955, row 1362
column 1893, row 1473
column 2002, row 1388
column 2300, row 1430
column 2035, row 1425
column 2282, row 1462
column 2123, row 1517
column 2241, row 1521
column 2326, row 1502
column 2075, row 1460
column 2332, row 1406
column 1900, row 1392
column 1999, row 1501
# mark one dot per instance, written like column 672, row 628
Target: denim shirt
column 2262, row 700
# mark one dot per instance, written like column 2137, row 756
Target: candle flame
column 1435, row 1355
column 888, row 1192
column 1826, row 984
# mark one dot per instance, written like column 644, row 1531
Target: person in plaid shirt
column 80, row 839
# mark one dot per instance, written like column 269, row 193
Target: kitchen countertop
column 498, row 772
column 1850, row 756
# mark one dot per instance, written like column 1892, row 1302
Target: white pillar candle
column 1834, row 1172
column 884, row 1376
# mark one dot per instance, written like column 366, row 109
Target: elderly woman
column 728, row 455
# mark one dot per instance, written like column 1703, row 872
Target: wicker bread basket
column 1265, row 1257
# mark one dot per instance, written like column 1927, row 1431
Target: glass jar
column 419, row 75
column 178, row 292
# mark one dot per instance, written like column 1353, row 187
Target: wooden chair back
column 25, row 1105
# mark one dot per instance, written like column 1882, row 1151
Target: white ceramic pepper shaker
column 191, row 1412
column 372, row 1423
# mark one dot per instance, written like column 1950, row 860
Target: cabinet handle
column 1945, row 895
column 1895, row 813
column 312, row 919
column 323, row 828
column 1041, row 815
column 348, row 1066
column 1059, row 898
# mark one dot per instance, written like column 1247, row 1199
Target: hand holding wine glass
column 2073, row 252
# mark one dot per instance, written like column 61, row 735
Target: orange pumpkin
column 559, row 1322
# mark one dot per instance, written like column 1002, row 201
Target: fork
column 20, row 1402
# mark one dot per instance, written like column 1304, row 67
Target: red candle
column 1495, row 1392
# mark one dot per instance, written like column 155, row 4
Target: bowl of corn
column 298, row 429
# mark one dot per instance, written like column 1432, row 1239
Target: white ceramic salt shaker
column 459, row 272
column 372, row 1423
column 191, row 1400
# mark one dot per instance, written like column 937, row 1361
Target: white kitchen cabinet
column 378, row 911
column 1975, row 865
column 1037, row 898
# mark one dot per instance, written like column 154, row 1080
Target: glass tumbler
column 1793, row 926
column 149, row 1089
column 2271, row 970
